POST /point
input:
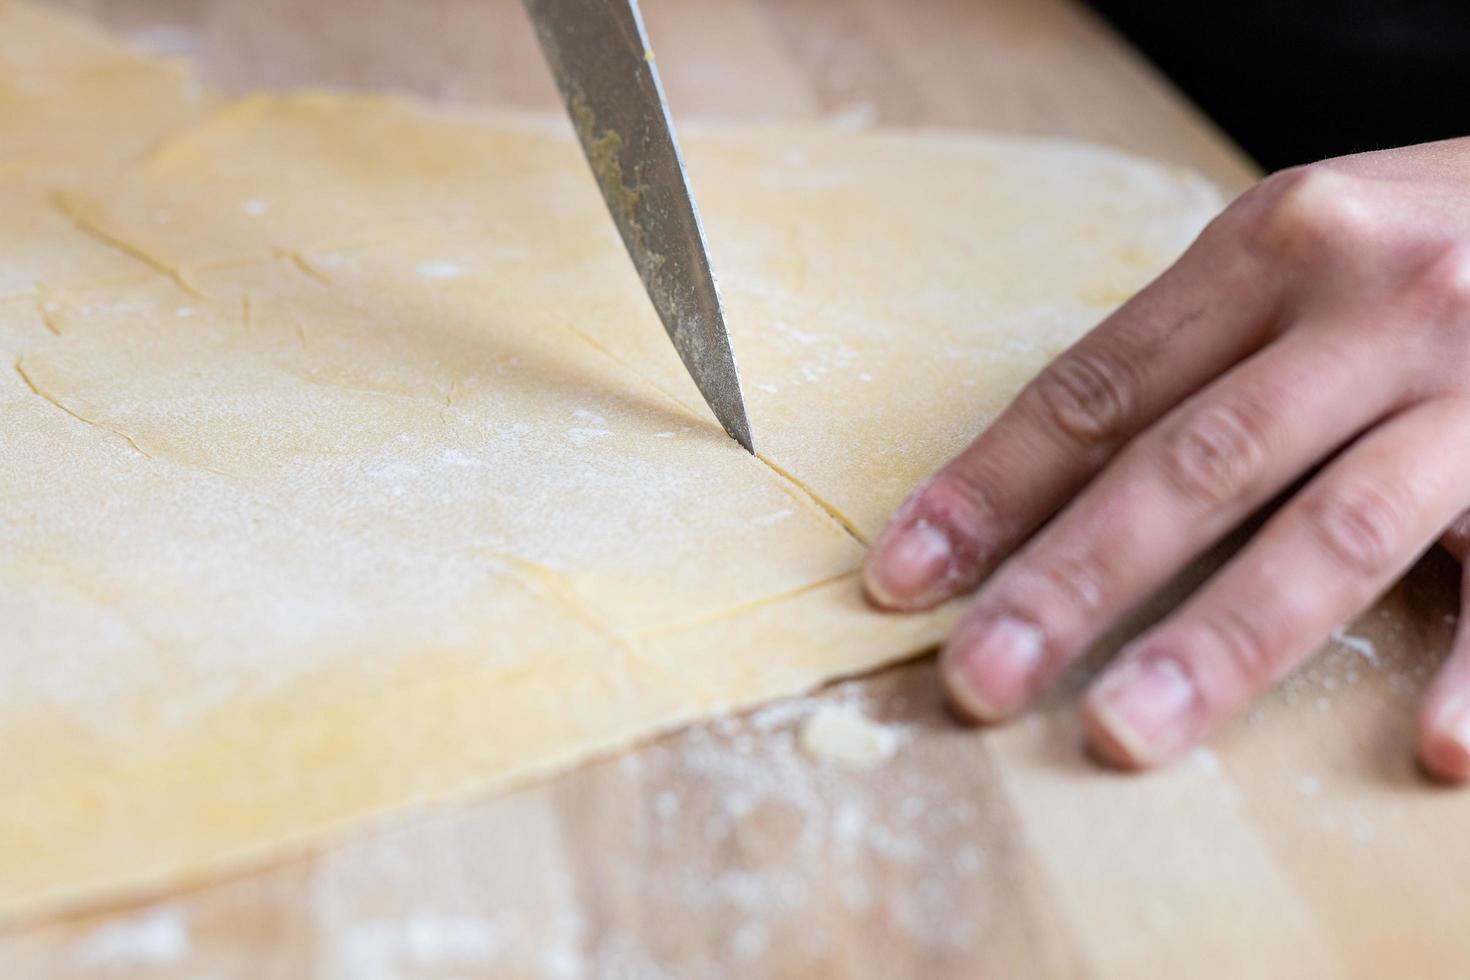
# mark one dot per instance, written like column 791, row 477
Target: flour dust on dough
column 344, row 466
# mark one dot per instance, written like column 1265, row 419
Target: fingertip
column 1445, row 760
column 1142, row 713
column 959, row 690
column 993, row 666
column 877, row 591
column 1109, row 743
column 909, row 567
column 965, row 709
column 1444, row 743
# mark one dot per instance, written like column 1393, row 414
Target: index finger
column 1209, row 310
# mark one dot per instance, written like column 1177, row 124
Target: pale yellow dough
column 343, row 464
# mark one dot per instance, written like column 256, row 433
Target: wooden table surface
column 1303, row 842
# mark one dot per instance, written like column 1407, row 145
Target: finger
column 1212, row 308
column 1177, row 489
column 1456, row 538
column 1444, row 721
column 1318, row 562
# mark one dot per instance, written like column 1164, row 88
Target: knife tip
column 737, row 426
column 718, row 380
column 743, row 437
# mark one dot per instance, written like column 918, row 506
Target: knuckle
column 1447, row 284
column 1215, row 454
column 1359, row 526
column 1064, row 591
column 1310, row 210
column 1075, row 580
column 1087, row 397
column 1244, row 647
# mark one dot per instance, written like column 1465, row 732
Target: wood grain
column 1303, row 843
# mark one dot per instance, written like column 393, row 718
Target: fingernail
column 1147, row 707
column 909, row 565
column 991, row 668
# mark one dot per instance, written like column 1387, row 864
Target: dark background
column 1297, row 80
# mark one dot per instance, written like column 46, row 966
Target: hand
column 1322, row 320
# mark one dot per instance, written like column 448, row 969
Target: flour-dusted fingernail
column 991, row 667
column 909, row 564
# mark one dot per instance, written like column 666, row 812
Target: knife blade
column 599, row 54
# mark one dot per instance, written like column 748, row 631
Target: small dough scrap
column 842, row 735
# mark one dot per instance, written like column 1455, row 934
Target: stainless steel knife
column 600, row 56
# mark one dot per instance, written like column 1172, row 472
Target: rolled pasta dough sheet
column 343, row 465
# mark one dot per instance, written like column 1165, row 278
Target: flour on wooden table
column 158, row 937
